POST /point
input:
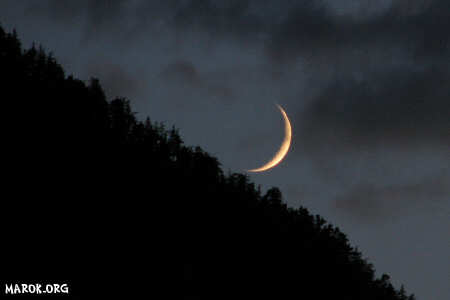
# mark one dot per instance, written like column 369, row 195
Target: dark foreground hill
column 119, row 207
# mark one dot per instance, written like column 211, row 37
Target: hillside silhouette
column 111, row 204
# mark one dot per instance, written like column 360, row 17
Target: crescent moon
column 284, row 146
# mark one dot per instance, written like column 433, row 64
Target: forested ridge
column 96, row 195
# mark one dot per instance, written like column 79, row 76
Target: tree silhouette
column 97, row 193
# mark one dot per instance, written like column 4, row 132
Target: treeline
column 115, row 197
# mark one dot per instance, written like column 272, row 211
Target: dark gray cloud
column 181, row 72
column 118, row 80
column 391, row 106
column 184, row 76
column 419, row 30
column 368, row 202
column 214, row 17
column 64, row 12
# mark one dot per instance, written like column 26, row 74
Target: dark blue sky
column 365, row 84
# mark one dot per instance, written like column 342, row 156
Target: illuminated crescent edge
column 284, row 146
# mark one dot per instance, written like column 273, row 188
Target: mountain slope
column 108, row 203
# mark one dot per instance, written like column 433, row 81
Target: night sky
column 365, row 84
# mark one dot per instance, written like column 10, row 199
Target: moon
column 284, row 146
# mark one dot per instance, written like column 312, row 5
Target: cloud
column 288, row 29
column 369, row 203
column 180, row 72
column 116, row 79
column 183, row 75
column 390, row 106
